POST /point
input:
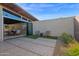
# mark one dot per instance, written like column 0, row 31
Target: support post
column 1, row 23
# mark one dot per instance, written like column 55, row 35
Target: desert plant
column 66, row 38
column 73, row 49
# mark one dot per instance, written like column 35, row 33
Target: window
column 11, row 15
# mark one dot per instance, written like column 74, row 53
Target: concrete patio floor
column 27, row 47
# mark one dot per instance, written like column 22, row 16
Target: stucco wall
column 1, row 23
column 55, row 26
column 76, row 24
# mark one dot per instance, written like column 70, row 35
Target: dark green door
column 29, row 28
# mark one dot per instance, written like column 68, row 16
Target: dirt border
column 58, row 51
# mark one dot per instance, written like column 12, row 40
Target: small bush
column 66, row 38
column 72, row 46
column 73, row 49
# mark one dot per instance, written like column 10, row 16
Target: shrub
column 73, row 49
column 72, row 46
column 66, row 38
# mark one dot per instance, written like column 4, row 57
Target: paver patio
column 27, row 47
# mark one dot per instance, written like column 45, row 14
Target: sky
column 45, row 11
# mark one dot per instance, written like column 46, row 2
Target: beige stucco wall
column 56, row 26
column 1, row 25
column 76, row 24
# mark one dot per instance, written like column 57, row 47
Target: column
column 1, row 24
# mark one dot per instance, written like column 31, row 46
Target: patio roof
column 19, row 10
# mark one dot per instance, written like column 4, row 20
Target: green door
column 29, row 28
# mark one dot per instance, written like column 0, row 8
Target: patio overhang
column 19, row 10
